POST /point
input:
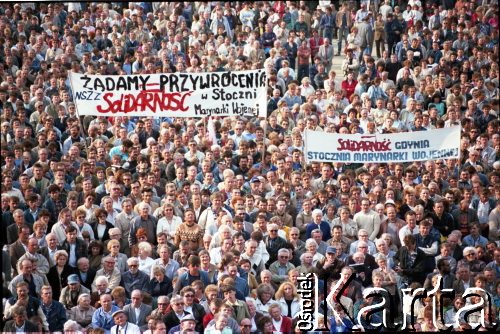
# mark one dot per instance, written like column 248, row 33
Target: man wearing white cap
column 188, row 323
column 122, row 325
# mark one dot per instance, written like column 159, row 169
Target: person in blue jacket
column 340, row 323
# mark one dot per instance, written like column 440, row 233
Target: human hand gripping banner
column 393, row 147
column 241, row 93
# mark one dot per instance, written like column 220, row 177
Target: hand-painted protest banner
column 393, row 147
column 242, row 93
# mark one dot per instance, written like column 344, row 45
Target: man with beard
column 447, row 278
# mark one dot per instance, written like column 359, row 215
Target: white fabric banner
column 394, row 147
column 242, row 93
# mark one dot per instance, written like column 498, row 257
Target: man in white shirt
column 59, row 228
column 122, row 325
column 255, row 259
column 410, row 227
column 217, row 253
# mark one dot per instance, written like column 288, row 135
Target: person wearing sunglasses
column 174, row 317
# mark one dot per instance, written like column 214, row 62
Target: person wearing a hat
column 173, row 318
column 70, row 293
column 330, row 266
column 187, row 325
column 122, row 326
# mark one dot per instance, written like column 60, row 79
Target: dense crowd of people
column 167, row 225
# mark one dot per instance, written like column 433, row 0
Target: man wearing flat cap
column 122, row 325
column 69, row 294
column 187, row 325
column 330, row 266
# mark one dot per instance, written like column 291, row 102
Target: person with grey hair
column 384, row 249
column 470, row 259
column 273, row 243
column 312, row 247
column 306, row 264
column 173, row 317
column 109, row 271
column 281, row 267
column 318, row 223
column 363, row 262
column 134, row 278
column 363, row 236
column 145, row 220
column 84, row 272
column 71, row 326
column 251, row 254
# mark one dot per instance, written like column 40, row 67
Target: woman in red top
column 349, row 85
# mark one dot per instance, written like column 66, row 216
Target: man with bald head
column 137, row 312
column 42, row 267
column 368, row 262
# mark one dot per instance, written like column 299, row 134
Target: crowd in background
column 155, row 225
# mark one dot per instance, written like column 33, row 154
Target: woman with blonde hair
column 145, row 261
column 288, row 299
column 264, row 299
column 120, row 258
column 119, row 297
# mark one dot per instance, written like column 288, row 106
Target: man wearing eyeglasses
column 246, row 326
column 363, row 237
column 173, row 318
column 273, row 243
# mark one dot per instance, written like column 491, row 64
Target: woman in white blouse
column 145, row 261
column 169, row 223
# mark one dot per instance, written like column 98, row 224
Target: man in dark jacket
column 410, row 262
column 173, row 318
column 330, row 267
column 273, row 243
column 76, row 247
column 19, row 322
column 393, row 31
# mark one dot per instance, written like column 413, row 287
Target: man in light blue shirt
column 103, row 316
column 474, row 238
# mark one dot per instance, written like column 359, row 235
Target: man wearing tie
column 122, row 325
column 137, row 311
